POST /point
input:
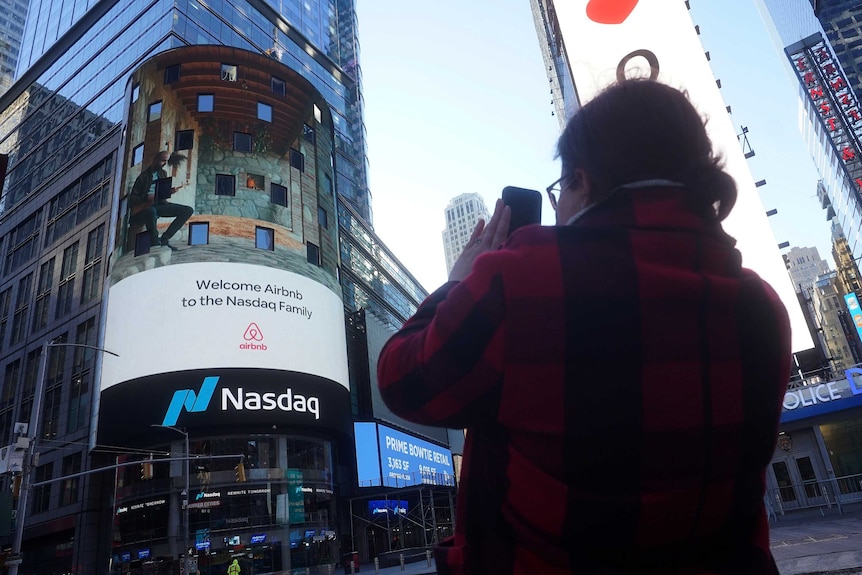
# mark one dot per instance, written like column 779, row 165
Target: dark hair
column 640, row 130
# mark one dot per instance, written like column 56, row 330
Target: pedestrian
column 234, row 568
column 620, row 374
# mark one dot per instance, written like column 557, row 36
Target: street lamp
column 32, row 433
column 185, row 501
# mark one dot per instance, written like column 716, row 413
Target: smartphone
column 526, row 206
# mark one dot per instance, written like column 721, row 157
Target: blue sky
column 457, row 100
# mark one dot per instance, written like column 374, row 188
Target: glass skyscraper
column 842, row 22
column 829, row 106
column 78, row 55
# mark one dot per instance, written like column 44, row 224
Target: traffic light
column 16, row 485
column 240, row 471
column 147, row 469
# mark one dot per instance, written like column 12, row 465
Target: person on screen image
column 620, row 374
column 234, row 568
column 146, row 208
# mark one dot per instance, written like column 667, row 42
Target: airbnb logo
column 610, row 11
column 251, row 335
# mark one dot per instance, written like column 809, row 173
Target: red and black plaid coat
column 621, row 381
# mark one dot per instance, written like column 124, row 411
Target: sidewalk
column 804, row 543
column 810, row 543
column 418, row 568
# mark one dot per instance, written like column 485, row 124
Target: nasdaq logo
column 193, row 403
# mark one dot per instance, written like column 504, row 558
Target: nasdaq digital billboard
column 223, row 301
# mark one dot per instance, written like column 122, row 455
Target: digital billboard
column 387, row 506
column 390, row 458
column 657, row 39
column 223, row 301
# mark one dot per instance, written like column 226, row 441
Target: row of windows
column 68, row 388
column 64, row 303
column 242, row 142
column 206, row 102
column 70, row 208
column 264, row 239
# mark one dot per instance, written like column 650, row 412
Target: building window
column 67, row 280
column 71, row 466
column 136, row 92
column 77, row 416
column 264, row 238
column 137, row 154
column 328, row 183
column 28, row 385
column 278, row 194
column 264, row 112
column 323, row 218
column 206, row 102
column 22, row 242
column 254, row 181
column 54, row 391
column 142, row 243
column 42, row 493
column 78, row 202
column 199, row 233
column 279, row 88
column 7, row 399
column 5, row 301
column 172, row 74
column 92, row 279
column 225, row 185
column 184, row 140
column 297, row 160
column 22, row 309
column 43, row 295
column 228, row 72
column 241, row 142
column 154, row 112
column 313, row 253
column 308, row 133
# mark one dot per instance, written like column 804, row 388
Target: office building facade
column 462, row 214
column 564, row 97
column 180, row 178
column 842, row 22
column 804, row 266
column 11, row 31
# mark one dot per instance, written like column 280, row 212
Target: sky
column 457, row 100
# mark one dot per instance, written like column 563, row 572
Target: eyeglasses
column 554, row 190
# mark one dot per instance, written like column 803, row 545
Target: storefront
column 818, row 455
column 282, row 516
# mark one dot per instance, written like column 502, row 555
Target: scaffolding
column 392, row 521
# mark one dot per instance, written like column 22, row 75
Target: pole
column 32, row 434
column 185, row 500
column 186, row 509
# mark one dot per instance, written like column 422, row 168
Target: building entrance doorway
column 799, row 481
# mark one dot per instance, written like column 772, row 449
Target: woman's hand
column 485, row 238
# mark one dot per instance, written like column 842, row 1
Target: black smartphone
column 526, row 206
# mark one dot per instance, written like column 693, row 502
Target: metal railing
column 410, row 479
column 813, row 495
